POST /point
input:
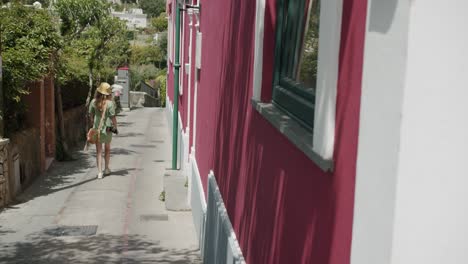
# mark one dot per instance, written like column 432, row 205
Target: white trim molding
column 327, row 78
column 169, row 113
column 258, row 55
column 195, row 92
column 182, row 53
column 197, row 201
column 189, row 73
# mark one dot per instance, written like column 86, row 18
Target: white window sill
column 296, row 133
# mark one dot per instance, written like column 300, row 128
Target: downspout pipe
column 175, row 123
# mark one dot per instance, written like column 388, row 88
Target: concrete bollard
column 176, row 191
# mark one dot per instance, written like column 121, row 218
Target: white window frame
column 319, row 146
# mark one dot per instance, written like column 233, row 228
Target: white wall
column 411, row 186
column 379, row 132
column 431, row 218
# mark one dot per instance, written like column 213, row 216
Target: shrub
column 29, row 38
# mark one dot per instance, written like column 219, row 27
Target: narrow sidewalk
column 69, row 216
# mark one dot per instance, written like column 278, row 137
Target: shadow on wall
column 26, row 144
column 231, row 118
column 280, row 204
column 75, row 123
column 382, row 13
column 42, row 248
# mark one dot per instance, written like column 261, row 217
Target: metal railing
column 220, row 245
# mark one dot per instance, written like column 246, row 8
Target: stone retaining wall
column 151, row 101
column 25, row 147
column 4, row 175
column 142, row 99
column 75, row 126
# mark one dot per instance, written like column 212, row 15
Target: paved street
column 51, row 219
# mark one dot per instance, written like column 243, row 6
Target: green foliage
column 78, row 15
column 159, row 24
column 162, row 196
column 96, row 42
column 28, row 39
column 308, row 69
column 35, row 44
column 118, row 8
column 142, row 73
column 110, row 46
column 153, row 7
column 146, row 55
column 45, row 3
column 162, row 44
column 161, row 83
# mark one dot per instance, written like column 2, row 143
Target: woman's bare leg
column 99, row 157
column 107, row 148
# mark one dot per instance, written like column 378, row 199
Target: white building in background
column 134, row 18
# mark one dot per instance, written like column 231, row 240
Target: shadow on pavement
column 4, row 232
column 125, row 124
column 102, row 248
column 122, row 172
column 122, row 151
column 130, row 134
column 59, row 177
column 142, row 146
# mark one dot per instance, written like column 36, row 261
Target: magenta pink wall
column 284, row 209
column 170, row 83
column 193, row 79
column 184, row 58
column 183, row 102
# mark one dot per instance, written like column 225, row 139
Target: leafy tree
column 89, row 33
column 78, row 15
column 144, row 55
column 105, row 34
column 159, row 24
column 309, row 58
column 162, row 45
column 45, row 3
column 117, row 7
column 90, row 23
column 161, row 83
column 28, row 38
column 142, row 73
column 153, row 7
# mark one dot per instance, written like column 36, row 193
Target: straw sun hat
column 104, row 88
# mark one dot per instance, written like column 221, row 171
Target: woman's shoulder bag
column 94, row 134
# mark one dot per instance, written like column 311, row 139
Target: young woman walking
column 102, row 104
